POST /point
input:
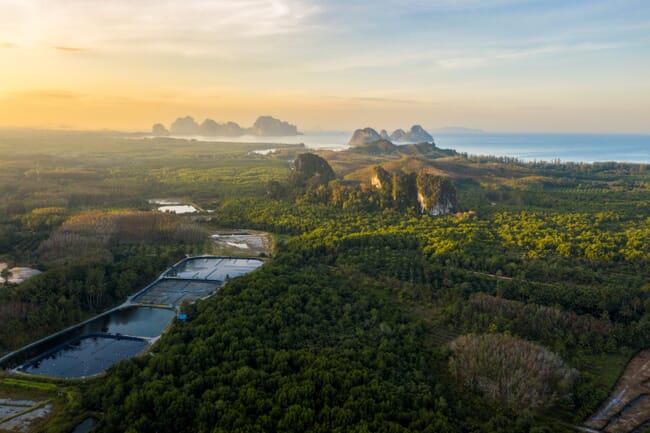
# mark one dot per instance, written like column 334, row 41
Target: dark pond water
column 137, row 322
column 85, row 356
column 85, row 426
column 134, row 321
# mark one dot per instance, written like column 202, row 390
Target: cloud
column 381, row 100
column 195, row 26
column 45, row 94
column 501, row 55
column 7, row 45
column 452, row 59
column 69, row 49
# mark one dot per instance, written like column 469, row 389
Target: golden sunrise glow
column 92, row 64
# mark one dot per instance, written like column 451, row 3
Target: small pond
column 178, row 209
column 85, row 426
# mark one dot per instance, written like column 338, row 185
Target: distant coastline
column 571, row 147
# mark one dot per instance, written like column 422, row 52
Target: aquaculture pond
column 70, row 347
column 92, row 347
column 133, row 321
column 85, row 356
column 213, row 268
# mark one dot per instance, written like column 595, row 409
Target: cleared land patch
column 241, row 243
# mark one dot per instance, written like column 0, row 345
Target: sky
column 497, row 65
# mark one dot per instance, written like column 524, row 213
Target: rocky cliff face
column 436, row 194
column 159, row 130
column 311, row 170
column 185, row 126
column 398, row 135
column 268, row 126
column 210, row 128
column 265, row 126
column 381, row 179
column 433, row 195
column 416, row 134
column 364, row 136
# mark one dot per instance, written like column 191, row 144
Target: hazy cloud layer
column 481, row 61
column 69, row 49
column 196, row 25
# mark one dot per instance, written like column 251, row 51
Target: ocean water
column 526, row 147
column 549, row 147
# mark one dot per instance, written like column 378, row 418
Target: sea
column 525, row 147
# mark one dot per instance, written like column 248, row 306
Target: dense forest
column 515, row 311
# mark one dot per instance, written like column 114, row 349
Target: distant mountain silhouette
column 365, row 136
column 264, row 126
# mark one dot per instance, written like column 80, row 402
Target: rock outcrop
column 436, row 194
column 159, row 130
column 210, row 128
column 381, row 179
column 416, row 134
column 185, row 126
column 398, row 135
column 311, row 170
column 267, row 126
column 433, row 195
column 364, row 136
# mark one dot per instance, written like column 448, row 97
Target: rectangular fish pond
column 94, row 346
column 213, row 268
column 194, row 278
column 85, row 356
